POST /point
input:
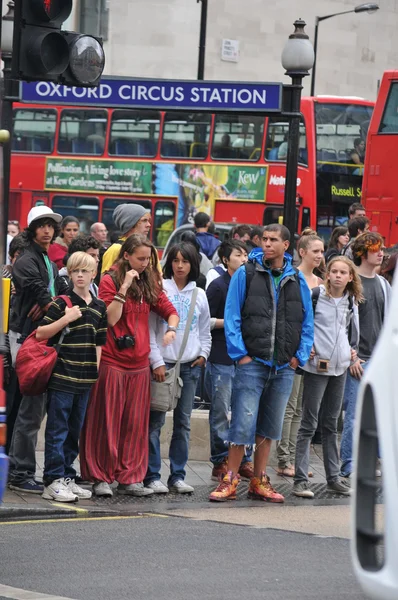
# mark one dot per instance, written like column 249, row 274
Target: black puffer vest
column 267, row 327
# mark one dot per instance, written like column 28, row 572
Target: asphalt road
column 172, row 558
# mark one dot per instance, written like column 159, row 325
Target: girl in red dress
column 114, row 442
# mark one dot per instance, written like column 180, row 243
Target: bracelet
column 119, row 299
column 172, row 329
column 121, row 295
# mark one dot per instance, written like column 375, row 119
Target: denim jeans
column 286, row 448
column 218, row 382
column 350, row 404
column 259, row 398
column 24, row 438
column 322, row 399
column 65, row 417
column 179, row 445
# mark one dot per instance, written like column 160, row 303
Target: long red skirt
column 114, row 439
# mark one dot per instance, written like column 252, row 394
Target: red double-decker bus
column 85, row 160
column 380, row 193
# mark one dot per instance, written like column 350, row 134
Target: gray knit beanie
column 126, row 216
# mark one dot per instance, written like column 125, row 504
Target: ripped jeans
column 218, row 383
column 259, row 398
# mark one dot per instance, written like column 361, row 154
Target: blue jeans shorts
column 259, row 398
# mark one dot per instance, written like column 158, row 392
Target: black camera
column 125, row 341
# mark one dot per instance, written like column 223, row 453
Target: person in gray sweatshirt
column 336, row 336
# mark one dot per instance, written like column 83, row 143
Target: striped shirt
column 76, row 367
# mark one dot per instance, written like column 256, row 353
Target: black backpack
column 315, row 293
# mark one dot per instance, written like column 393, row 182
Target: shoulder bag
column 165, row 394
column 36, row 361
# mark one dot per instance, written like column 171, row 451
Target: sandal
column 287, row 471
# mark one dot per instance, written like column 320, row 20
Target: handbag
column 165, row 394
column 36, row 361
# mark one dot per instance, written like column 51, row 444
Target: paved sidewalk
column 198, row 475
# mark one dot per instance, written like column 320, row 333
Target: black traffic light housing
column 43, row 52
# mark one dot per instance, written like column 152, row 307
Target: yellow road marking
column 75, row 519
column 69, row 507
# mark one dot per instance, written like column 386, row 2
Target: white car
column 374, row 545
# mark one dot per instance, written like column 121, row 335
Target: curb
column 16, row 513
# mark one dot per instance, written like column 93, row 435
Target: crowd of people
column 282, row 344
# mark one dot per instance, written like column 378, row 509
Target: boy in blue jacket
column 269, row 329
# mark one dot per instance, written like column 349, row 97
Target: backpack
column 315, row 293
column 36, row 361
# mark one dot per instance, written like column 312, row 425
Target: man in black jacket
column 36, row 282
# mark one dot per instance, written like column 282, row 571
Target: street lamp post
column 202, row 40
column 370, row 8
column 297, row 59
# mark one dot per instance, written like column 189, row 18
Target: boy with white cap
column 129, row 219
column 36, row 283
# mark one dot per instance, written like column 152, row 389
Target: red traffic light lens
column 52, row 10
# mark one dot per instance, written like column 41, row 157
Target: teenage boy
column 75, row 372
column 207, row 241
column 128, row 219
column 36, row 282
column 356, row 227
column 368, row 256
column 88, row 244
column 269, row 329
column 220, row 368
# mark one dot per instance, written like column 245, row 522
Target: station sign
column 161, row 94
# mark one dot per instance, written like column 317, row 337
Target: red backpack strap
column 67, row 300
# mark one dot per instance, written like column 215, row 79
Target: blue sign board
column 161, row 94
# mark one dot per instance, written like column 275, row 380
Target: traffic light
column 44, row 52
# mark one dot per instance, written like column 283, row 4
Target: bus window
column 339, row 130
column 134, row 133
column 389, row 122
column 82, row 132
column 237, row 137
column 274, row 214
column 276, row 144
column 163, row 225
column 110, row 204
column 185, row 135
column 34, row 130
column 83, row 208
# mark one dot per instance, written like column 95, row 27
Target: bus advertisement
column 183, row 147
column 380, row 196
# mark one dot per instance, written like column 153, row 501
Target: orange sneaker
column 246, row 470
column 226, row 489
column 261, row 489
column 219, row 471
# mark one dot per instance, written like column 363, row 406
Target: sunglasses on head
column 14, row 223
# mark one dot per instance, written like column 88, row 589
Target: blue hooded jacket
column 236, row 298
column 208, row 243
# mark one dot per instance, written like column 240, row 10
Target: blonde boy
column 75, row 372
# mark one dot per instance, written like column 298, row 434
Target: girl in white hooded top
column 180, row 273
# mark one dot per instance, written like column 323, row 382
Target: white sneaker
column 134, row 489
column 180, row 487
column 77, row 490
column 102, row 488
column 158, row 487
column 59, row 491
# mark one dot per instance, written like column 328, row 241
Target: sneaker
column 220, row 470
column 58, row 490
column 302, row 490
column 261, row 489
column 102, row 489
column 134, row 489
column 226, row 490
column 29, row 487
column 246, row 470
column 180, row 487
column 340, row 487
column 157, row 487
column 77, row 490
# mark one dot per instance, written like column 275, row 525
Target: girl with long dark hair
column 114, row 444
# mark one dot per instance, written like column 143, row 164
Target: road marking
column 69, row 507
column 19, row 594
column 77, row 519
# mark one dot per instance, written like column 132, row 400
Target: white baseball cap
column 43, row 212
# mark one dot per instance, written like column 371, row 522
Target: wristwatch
column 171, row 328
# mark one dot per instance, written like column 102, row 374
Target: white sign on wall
column 230, row 50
